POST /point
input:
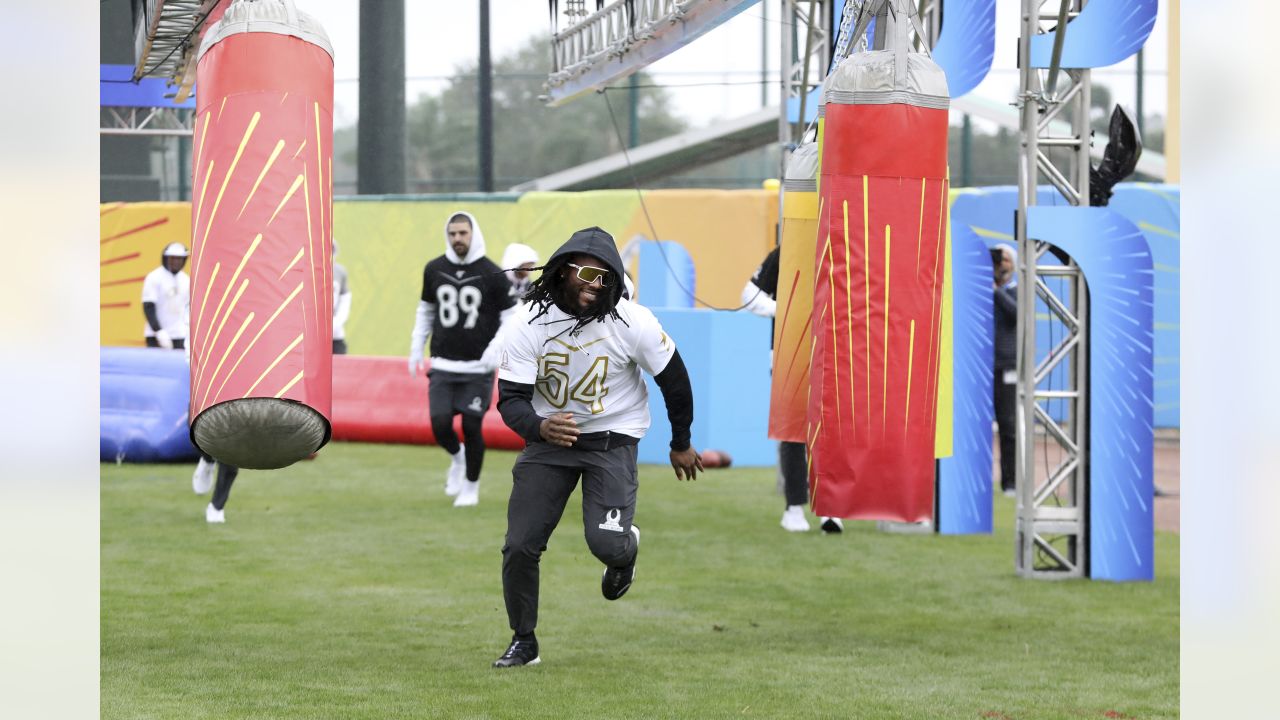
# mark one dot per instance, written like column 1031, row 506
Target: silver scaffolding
column 1051, row 528
column 825, row 39
column 164, row 122
column 622, row 37
column 806, row 54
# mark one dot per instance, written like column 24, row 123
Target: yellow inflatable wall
column 384, row 244
column 131, row 238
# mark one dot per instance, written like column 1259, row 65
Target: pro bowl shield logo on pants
column 611, row 519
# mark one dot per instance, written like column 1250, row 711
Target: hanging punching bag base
column 260, row 433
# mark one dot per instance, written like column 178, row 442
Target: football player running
column 569, row 383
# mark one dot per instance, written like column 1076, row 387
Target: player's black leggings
column 542, row 480
column 226, row 478
column 178, row 343
column 794, row 466
column 473, row 436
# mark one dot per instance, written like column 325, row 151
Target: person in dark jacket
column 1005, row 386
column 569, row 383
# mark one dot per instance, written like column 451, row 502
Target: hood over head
column 517, row 254
column 599, row 244
column 477, row 241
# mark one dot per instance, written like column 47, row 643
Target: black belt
column 604, row 440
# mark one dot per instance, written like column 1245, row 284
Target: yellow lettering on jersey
column 590, row 389
column 552, row 382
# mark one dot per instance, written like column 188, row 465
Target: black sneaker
column 521, row 652
column 617, row 581
column 832, row 525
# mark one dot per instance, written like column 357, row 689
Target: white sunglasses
column 589, row 274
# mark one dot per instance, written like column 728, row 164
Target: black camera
column 997, row 255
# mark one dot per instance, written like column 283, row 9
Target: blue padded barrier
column 1154, row 209
column 727, row 355
column 964, row 479
column 144, row 395
column 667, row 275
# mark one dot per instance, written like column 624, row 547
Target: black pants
column 544, row 477
column 226, row 477
column 465, row 394
column 794, row 466
column 178, row 343
column 1006, row 405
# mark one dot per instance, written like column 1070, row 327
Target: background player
column 760, row 296
column 465, row 298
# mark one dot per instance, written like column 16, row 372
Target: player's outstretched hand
column 560, row 429
column 687, row 463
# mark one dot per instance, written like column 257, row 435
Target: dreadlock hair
column 549, row 289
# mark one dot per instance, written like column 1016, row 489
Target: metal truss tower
column 1052, row 529
column 622, row 37
column 931, row 20
column 165, row 122
column 806, row 55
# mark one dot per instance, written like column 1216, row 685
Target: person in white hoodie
column 519, row 260
column 465, row 299
column 166, row 293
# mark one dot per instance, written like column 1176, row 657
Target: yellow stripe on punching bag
column 261, row 299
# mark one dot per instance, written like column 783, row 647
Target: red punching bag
column 878, row 281
column 261, row 304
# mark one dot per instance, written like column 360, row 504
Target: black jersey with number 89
column 469, row 300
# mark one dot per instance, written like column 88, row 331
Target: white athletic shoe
column 469, row 495
column 832, row 525
column 793, row 520
column 213, row 514
column 202, row 478
column 457, row 473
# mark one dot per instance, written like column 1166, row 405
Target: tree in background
column 530, row 139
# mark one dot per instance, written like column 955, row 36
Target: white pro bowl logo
column 611, row 519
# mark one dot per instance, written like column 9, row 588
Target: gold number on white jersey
column 553, row 383
column 590, row 389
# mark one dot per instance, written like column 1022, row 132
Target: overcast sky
column 730, row 54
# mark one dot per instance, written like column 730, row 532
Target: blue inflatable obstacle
column 143, row 415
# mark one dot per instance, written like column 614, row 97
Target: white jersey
column 595, row 373
column 171, row 294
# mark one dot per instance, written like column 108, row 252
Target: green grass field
column 349, row 587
